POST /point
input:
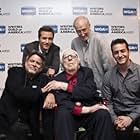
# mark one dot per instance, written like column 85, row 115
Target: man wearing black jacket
column 75, row 93
column 21, row 99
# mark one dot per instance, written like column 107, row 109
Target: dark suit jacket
column 84, row 91
column 52, row 57
column 21, row 99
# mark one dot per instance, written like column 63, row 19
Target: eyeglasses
column 71, row 56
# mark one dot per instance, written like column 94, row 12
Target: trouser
column 4, row 125
column 48, row 124
column 126, row 134
column 22, row 131
column 98, row 125
column 18, row 131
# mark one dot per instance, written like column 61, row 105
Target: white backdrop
column 20, row 21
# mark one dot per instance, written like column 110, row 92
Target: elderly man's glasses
column 71, row 56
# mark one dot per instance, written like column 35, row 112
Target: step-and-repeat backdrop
column 21, row 19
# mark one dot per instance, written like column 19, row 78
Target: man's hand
column 55, row 85
column 50, row 72
column 91, row 109
column 122, row 122
column 49, row 102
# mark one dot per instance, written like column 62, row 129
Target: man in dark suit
column 21, row 99
column 75, row 93
column 52, row 62
column 46, row 46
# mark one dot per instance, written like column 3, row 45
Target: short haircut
column 45, row 29
column 119, row 41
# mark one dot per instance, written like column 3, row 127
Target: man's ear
column 26, row 59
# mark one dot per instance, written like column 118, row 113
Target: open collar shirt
column 123, row 93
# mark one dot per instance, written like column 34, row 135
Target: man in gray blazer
column 93, row 49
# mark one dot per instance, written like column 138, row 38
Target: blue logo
column 2, row 29
column 28, row 11
column 80, row 10
column 133, row 47
column 54, row 27
column 101, row 28
column 129, row 11
column 2, row 67
column 22, row 46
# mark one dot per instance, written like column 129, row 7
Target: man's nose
column 47, row 40
column 119, row 54
column 34, row 63
column 82, row 33
column 69, row 57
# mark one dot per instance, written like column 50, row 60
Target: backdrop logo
column 129, row 11
column 2, row 13
column 120, row 30
column 2, row 67
column 48, row 11
column 98, row 11
column 28, row 11
column 55, row 28
column 14, row 65
column 2, row 29
column 22, row 46
column 17, row 29
column 67, row 29
column 133, row 47
column 79, row 11
column 4, row 50
column 101, row 28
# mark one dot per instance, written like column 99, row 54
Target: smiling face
column 33, row 64
column 120, row 53
column 45, row 40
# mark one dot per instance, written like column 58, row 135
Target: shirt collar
column 69, row 77
column 130, row 67
column 46, row 51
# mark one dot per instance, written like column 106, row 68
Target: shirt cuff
column 77, row 110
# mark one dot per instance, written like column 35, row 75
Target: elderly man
column 121, row 88
column 75, row 93
column 20, row 101
column 93, row 49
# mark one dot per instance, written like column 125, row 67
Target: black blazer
column 21, row 98
column 52, row 57
column 84, row 91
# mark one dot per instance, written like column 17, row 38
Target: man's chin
column 32, row 72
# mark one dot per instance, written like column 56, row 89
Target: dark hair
column 46, row 29
column 34, row 52
column 119, row 41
